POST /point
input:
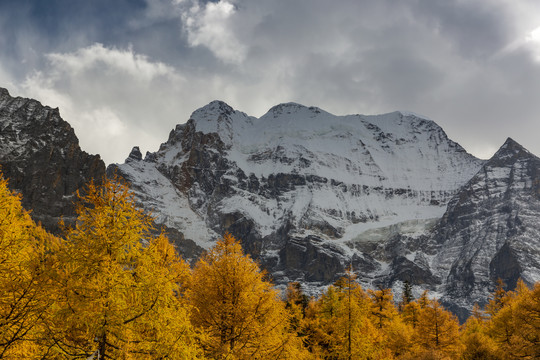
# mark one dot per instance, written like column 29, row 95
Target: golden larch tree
column 237, row 308
column 383, row 309
column 476, row 342
column 120, row 286
column 437, row 330
column 296, row 303
column 341, row 328
column 25, row 292
column 515, row 322
column 528, row 315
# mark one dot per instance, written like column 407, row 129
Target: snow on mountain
column 152, row 187
column 309, row 193
column 491, row 229
column 299, row 183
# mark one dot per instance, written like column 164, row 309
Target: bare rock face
column 491, row 230
column 41, row 157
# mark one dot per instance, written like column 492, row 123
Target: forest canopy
column 110, row 288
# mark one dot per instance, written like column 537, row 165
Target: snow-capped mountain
column 308, row 192
column 41, row 157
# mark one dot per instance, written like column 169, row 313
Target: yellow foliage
column 24, row 289
column 340, row 325
column 237, row 309
column 437, row 330
column 398, row 337
column 515, row 323
column 383, row 308
column 114, row 289
column 529, row 321
column 120, row 286
column 476, row 342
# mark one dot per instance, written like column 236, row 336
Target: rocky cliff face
column 491, row 229
column 41, row 157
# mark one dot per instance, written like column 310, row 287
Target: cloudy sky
column 124, row 72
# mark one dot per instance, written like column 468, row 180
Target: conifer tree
column 395, row 334
column 24, row 290
column 119, row 285
column 528, row 320
column 296, row 303
column 237, row 308
column 437, row 330
column 515, row 323
column 410, row 313
column 502, row 326
column 406, row 295
column 498, row 300
column 382, row 306
column 477, row 344
column 344, row 327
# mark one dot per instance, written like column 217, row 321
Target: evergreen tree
column 406, row 295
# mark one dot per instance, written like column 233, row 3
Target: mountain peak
column 512, row 144
column 213, row 109
column 4, row 92
column 40, row 154
column 292, row 108
column 510, row 150
column 287, row 106
column 413, row 114
column 208, row 117
column 5, row 97
column 135, row 154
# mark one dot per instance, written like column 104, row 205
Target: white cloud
column 532, row 40
column 211, row 25
column 122, row 61
column 114, row 98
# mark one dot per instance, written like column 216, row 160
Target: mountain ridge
column 310, row 193
column 300, row 196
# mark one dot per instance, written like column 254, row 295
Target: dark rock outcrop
column 41, row 157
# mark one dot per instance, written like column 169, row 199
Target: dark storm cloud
column 57, row 20
column 143, row 66
column 31, row 28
